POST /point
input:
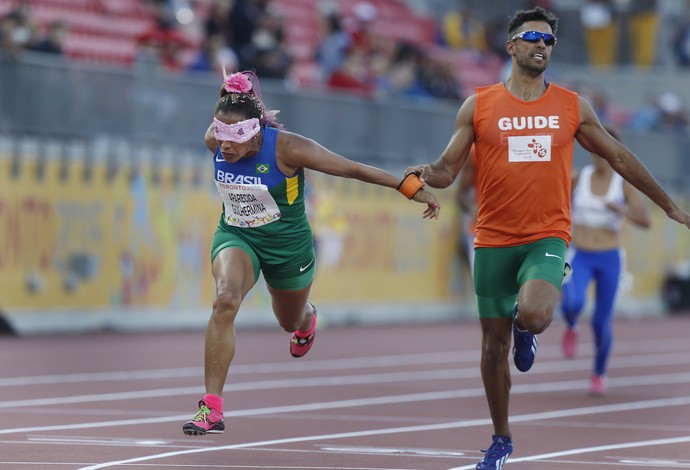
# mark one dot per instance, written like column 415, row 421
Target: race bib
column 248, row 205
column 533, row 148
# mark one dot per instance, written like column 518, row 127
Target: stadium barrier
column 89, row 244
column 101, row 243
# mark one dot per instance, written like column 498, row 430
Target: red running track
column 382, row 397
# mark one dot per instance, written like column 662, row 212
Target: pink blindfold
column 239, row 133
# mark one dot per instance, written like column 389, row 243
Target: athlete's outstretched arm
column 443, row 171
column 594, row 138
column 295, row 151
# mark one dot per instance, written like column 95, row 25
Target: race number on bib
column 248, row 205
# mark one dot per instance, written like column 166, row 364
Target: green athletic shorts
column 500, row 272
column 292, row 270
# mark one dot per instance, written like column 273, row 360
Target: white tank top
column 589, row 209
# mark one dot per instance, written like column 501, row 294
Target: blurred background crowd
column 435, row 49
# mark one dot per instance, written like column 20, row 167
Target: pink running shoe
column 302, row 341
column 206, row 421
column 569, row 343
column 598, row 385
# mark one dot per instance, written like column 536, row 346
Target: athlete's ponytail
column 241, row 94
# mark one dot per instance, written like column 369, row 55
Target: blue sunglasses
column 535, row 36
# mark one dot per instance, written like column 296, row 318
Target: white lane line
column 397, row 451
column 587, row 450
column 647, row 404
column 645, row 380
column 657, row 463
column 115, row 441
column 254, row 369
column 335, row 381
column 654, row 353
column 34, row 465
column 384, row 400
column 442, row 374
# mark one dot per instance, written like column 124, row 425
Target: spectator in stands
column 643, row 21
column 8, row 47
column 433, row 79
column 245, row 16
column 680, row 41
column 17, row 31
column 494, row 38
column 24, row 31
column 357, row 73
column 163, row 42
column 332, row 48
column 353, row 76
column 600, row 22
column 267, row 53
column 461, row 29
column 54, row 40
column 218, row 21
column 600, row 28
column 665, row 112
column 214, row 54
column 360, row 27
column 674, row 114
column 272, row 63
column 438, row 78
column 400, row 76
column 647, row 117
column 596, row 99
column 264, row 228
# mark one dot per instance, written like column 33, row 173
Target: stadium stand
column 394, row 21
column 114, row 32
column 103, row 31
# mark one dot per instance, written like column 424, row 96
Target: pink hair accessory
column 237, row 83
column 239, row 132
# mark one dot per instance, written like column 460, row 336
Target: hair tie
column 236, row 83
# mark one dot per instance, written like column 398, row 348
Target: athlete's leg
column 496, row 289
column 495, row 369
column 574, row 298
column 289, row 285
column 292, row 309
column 537, row 300
column 607, row 277
column 540, row 278
column 234, row 274
column 574, row 290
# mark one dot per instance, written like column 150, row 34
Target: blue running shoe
column 497, row 454
column 524, row 347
